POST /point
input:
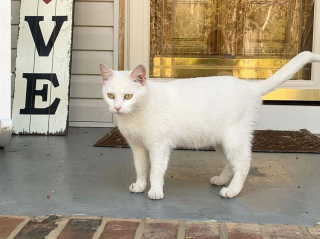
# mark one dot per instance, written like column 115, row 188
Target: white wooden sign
column 41, row 94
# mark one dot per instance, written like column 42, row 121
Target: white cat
column 219, row 111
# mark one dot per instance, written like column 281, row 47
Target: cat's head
column 123, row 91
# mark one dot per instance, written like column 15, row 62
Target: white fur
column 201, row 112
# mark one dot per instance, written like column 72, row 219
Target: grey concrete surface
column 82, row 179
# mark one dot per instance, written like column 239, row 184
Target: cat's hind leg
column 140, row 157
column 226, row 174
column 237, row 147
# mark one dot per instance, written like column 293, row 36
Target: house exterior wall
column 94, row 41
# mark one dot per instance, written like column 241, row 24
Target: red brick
column 160, row 230
column 284, row 231
column 119, row 230
column 202, row 230
column 315, row 232
column 8, row 224
column 243, row 231
column 37, row 229
column 80, row 228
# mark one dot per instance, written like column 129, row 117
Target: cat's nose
column 117, row 108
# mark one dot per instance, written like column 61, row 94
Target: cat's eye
column 128, row 96
column 111, row 96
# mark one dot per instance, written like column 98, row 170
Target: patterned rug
column 263, row 141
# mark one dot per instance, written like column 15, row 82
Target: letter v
column 42, row 48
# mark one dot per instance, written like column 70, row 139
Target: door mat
column 263, row 141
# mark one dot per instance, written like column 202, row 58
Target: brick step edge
column 74, row 227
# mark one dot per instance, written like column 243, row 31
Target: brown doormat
column 263, row 141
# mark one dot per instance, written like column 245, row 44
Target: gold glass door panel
column 246, row 39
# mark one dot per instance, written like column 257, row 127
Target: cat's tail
column 286, row 72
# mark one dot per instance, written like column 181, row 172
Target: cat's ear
column 139, row 74
column 106, row 72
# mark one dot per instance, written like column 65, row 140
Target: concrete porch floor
column 82, row 179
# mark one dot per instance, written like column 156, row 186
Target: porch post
column 5, row 72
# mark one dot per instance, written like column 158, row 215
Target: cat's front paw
column 228, row 193
column 155, row 194
column 136, row 188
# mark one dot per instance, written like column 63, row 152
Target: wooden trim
column 115, row 34
column 5, row 59
column 70, row 66
column 121, row 34
column 137, row 33
column 291, row 102
column 315, row 74
column 91, row 124
column 5, row 68
column 79, row 25
column 93, row 1
column 298, row 95
column 90, row 50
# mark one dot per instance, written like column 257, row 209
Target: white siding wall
column 94, row 40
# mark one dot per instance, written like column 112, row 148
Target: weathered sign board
column 41, row 93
